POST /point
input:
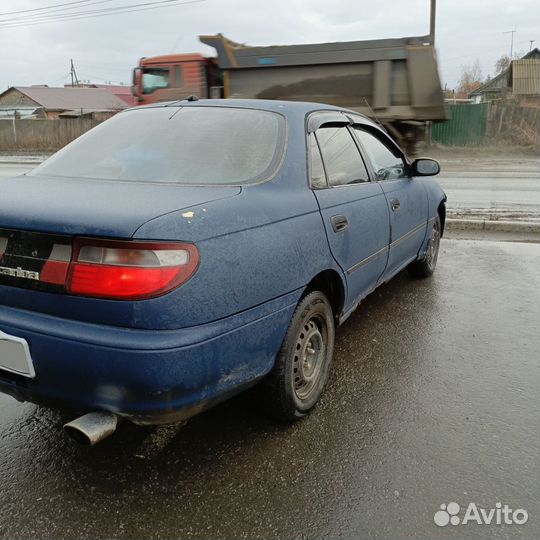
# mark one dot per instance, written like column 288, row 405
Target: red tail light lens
column 56, row 268
column 129, row 270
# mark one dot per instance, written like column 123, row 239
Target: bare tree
column 470, row 80
column 502, row 63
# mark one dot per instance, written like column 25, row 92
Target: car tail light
column 56, row 268
column 129, row 270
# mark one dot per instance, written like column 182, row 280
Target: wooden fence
column 516, row 122
column 41, row 135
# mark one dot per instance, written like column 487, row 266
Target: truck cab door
column 353, row 208
column 406, row 197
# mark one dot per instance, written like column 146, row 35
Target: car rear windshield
column 182, row 145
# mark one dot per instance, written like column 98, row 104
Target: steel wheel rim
column 433, row 247
column 309, row 357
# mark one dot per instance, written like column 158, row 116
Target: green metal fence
column 466, row 127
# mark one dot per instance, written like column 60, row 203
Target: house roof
column 121, row 91
column 533, row 53
column 72, row 98
column 494, row 84
column 499, row 81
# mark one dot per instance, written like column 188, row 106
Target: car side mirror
column 425, row 167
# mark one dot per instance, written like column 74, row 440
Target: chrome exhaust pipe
column 92, row 427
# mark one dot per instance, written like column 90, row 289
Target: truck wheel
column 425, row 266
column 299, row 375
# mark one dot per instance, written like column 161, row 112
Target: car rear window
column 183, row 145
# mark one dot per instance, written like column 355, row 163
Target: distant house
column 524, row 75
column 521, row 78
column 49, row 102
column 119, row 90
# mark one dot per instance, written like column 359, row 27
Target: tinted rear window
column 183, row 145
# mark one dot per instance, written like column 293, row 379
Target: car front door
column 406, row 197
column 353, row 208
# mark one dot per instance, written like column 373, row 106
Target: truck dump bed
column 395, row 80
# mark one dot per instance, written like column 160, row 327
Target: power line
column 47, row 17
column 56, row 12
column 63, row 78
column 100, row 12
column 43, row 8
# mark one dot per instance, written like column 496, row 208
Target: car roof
column 287, row 108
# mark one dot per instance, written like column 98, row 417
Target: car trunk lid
column 76, row 206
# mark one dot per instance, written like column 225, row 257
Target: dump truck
column 394, row 81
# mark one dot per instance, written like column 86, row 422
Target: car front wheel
column 295, row 384
column 425, row 266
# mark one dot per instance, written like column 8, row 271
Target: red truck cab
column 176, row 76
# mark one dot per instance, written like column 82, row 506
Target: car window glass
column 181, row 145
column 154, row 79
column 342, row 160
column 386, row 165
column 318, row 178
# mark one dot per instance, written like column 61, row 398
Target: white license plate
column 15, row 356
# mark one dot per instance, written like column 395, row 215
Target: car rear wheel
column 295, row 384
column 425, row 266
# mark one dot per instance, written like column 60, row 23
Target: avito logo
column 501, row 514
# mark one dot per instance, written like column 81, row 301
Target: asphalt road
column 433, row 398
column 507, row 187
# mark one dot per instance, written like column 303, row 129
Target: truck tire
column 293, row 387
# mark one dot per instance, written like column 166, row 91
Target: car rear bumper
column 147, row 376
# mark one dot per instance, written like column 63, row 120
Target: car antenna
column 189, row 98
column 373, row 113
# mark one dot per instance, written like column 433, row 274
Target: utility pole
column 432, row 17
column 512, row 32
column 73, row 73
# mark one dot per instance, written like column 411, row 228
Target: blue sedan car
column 181, row 252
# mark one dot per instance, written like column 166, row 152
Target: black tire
column 295, row 384
column 424, row 267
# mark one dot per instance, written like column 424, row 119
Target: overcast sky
column 107, row 48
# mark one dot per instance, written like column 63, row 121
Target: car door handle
column 395, row 204
column 339, row 223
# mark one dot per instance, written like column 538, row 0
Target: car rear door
column 353, row 208
column 406, row 196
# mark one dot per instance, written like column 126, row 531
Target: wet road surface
column 433, row 398
column 507, row 187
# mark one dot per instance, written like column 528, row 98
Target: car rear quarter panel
column 259, row 245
